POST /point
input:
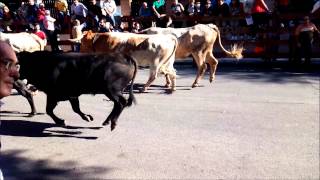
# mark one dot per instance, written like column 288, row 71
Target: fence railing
column 275, row 40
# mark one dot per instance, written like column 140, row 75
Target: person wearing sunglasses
column 9, row 69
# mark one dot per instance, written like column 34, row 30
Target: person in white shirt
column 108, row 8
column 48, row 23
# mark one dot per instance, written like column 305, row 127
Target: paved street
column 256, row 121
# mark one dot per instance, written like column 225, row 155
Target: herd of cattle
column 108, row 62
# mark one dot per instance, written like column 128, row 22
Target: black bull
column 66, row 76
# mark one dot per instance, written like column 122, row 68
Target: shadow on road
column 40, row 129
column 16, row 167
column 257, row 71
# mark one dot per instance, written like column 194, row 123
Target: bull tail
column 236, row 51
column 173, row 51
column 131, row 98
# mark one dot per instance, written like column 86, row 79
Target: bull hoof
column 113, row 125
column 105, row 123
column 211, row 79
column 60, row 123
column 167, row 85
column 144, row 89
column 195, row 85
column 32, row 113
column 88, row 117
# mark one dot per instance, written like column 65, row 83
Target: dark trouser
column 305, row 51
column 52, row 37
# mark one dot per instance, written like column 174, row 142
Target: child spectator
column 37, row 31
column 76, row 33
column 136, row 28
column 48, row 23
column 41, row 14
column 104, row 26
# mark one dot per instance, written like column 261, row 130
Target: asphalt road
column 256, row 121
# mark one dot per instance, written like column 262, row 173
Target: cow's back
column 23, row 41
column 191, row 39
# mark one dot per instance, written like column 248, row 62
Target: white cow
column 155, row 51
column 23, row 41
column 198, row 41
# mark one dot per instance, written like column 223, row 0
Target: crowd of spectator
column 99, row 16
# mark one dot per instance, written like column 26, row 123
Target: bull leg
column 118, row 106
column 213, row 62
column 76, row 108
column 202, row 67
column 22, row 89
column 51, row 104
column 173, row 82
column 168, row 81
column 152, row 77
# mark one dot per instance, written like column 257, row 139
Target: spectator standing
column 48, row 23
column 191, row 10
column 7, row 18
column 62, row 12
column 237, row 11
column 146, row 13
column 221, row 9
column 78, row 11
column 304, row 34
column 41, row 14
column 158, row 9
column 108, row 10
column 260, row 14
column 32, row 11
column 176, row 10
column 22, row 17
column 94, row 14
